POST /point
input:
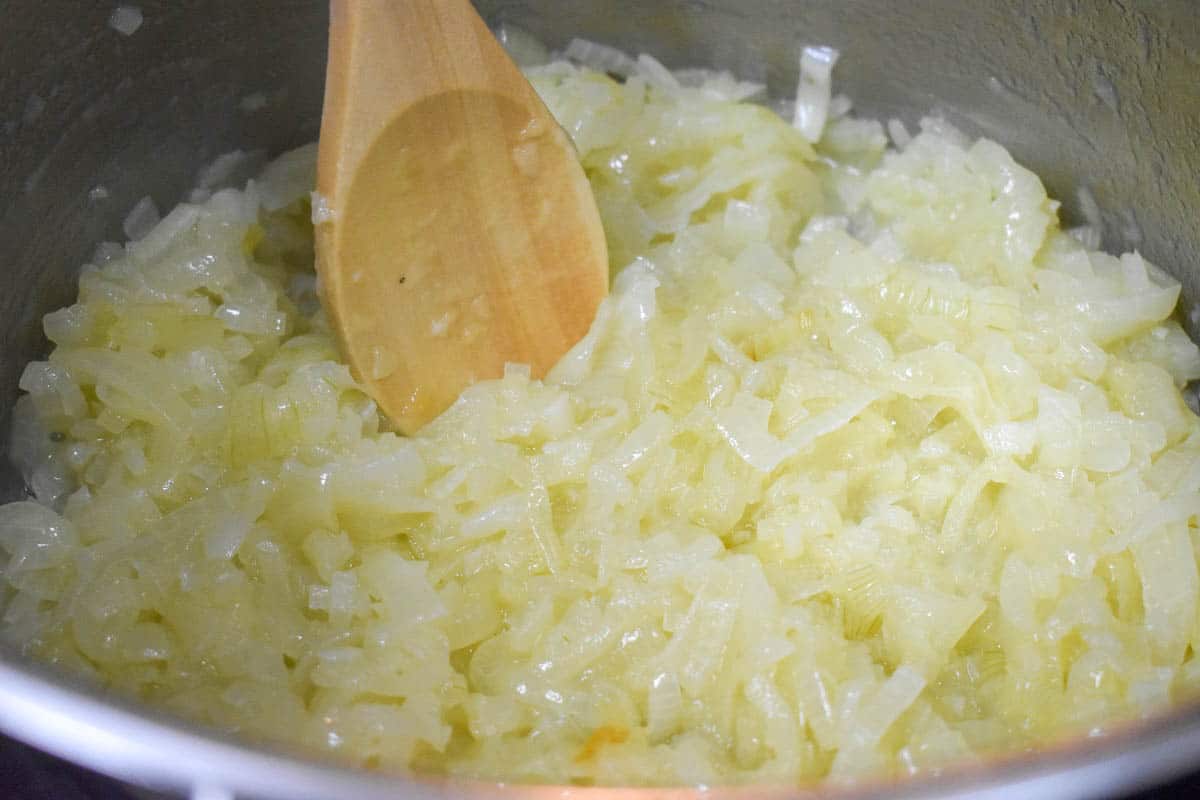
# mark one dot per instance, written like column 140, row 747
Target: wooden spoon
column 456, row 229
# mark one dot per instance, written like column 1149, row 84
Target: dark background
column 27, row 774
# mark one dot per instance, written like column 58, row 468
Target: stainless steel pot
column 1095, row 93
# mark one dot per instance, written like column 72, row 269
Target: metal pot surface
column 1095, row 93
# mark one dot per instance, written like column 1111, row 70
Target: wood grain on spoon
column 461, row 231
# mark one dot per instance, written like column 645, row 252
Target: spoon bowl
column 456, row 229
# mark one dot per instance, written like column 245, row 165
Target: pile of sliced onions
column 864, row 467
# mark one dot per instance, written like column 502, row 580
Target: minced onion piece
column 813, row 91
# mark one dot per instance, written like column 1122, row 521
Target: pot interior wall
column 1092, row 93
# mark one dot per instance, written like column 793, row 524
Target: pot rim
column 120, row 738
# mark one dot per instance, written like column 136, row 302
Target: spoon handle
column 386, row 55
